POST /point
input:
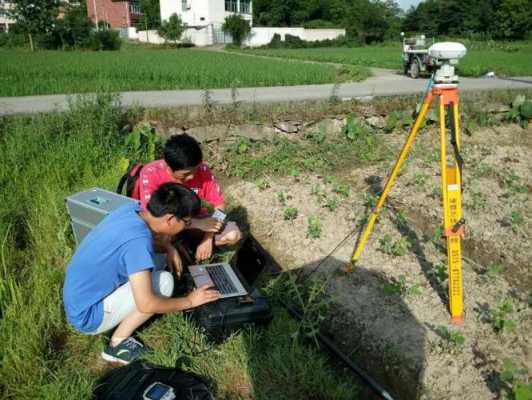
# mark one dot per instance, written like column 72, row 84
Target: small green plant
column 494, row 270
column 317, row 137
column 393, row 120
column 395, row 248
column 511, row 376
column 331, row 203
column 440, row 272
column 143, row 141
column 521, row 111
column 516, row 220
column 263, row 183
column 290, row 213
column 400, row 287
column 514, row 184
column 478, row 201
column 420, row 179
column 484, row 170
column 437, row 234
column 452, row 341
column 355, row 128
column 281, row 196
column 314, row 227
column 342, row 189
column 501, row 317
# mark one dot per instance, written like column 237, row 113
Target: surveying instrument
column 444, row 86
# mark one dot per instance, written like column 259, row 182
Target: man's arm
column 149, row 303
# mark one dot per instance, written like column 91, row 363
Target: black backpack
column 129, row 179
column 131, row 381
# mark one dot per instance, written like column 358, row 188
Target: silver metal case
column 88, row 208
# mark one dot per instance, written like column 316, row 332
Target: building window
column 245, row 6
column 184, row 6
column 231, row 6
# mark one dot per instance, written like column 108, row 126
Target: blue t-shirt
column 119, row 246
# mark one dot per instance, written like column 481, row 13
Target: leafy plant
column 453, row 341
column 521, row 110
column 355, row 128
column 237, row 27
column 290, row 213
column 342, row 189
column 331, row 203
column 495, row 270
column 501, row 317
column 263, row 183
column 478, row 201
column 400, row 287
column 396, row 248
column 142, row 142
column 314, row 227
column 317, row 137
column 393, row 120
column 281, row 196
column 172, row 29
column 440, row 272
column 510, row 375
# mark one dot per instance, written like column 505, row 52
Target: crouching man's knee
column 163, row 283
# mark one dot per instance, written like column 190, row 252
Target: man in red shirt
column 183, row 163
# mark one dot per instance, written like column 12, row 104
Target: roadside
column 383, row 84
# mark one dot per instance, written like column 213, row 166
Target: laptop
column 221, row 276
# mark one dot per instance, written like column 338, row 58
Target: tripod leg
column 452, row 206
column 396, row 168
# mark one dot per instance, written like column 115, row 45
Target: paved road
column 383, row 83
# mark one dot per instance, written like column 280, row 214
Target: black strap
column 121, row 183
column 454, row 140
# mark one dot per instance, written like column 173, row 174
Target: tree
column 514, row 19
column 34, row 17
column 151, row 18
column 237, row 27
column 172, row 29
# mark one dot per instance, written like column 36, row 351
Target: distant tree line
column 498, row 19
column 376, row 20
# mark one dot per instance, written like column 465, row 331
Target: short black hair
column 182, row 152
column 173, row 198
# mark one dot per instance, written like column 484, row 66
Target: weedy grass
column 48, row 157
column 54, row 72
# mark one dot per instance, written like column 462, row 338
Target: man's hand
column 202, row 295
column 174, row 260
column 204, row 250
column 207, row 224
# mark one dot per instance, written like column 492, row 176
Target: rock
column 498, row 108
column 376, row 122
column 205, row 134
column 287, row 126
column 332, row 126
column 253, row 132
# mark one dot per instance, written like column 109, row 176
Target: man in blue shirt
column 111, row 279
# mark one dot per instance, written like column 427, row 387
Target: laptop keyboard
column 220, row 279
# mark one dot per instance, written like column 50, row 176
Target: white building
column 5, row 21
column 204, row 20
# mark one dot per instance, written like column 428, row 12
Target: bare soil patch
column 391, row 313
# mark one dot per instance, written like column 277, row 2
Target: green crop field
column 513, row 59
column 52, row 72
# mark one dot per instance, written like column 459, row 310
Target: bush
column 105, row 40
column 172, row 29
column 295, row 42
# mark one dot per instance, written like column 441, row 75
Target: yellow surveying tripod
column 444, row 86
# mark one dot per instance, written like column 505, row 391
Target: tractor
column 416, row 59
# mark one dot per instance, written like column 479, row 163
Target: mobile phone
column 219, row 214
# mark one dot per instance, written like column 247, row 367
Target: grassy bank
column 52, row 72
column 505, row 59
column 44, row 159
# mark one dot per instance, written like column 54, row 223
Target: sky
column 405, row 4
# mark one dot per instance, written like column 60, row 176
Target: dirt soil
column 390, row 311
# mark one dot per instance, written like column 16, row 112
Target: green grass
column 44, row 159
column 52, row 72
column 509, row 60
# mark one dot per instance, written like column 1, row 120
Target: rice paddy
column 53, row 72
column 513, row 59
